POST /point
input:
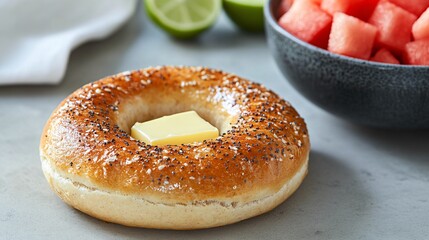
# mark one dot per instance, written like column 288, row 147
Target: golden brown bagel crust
column 264, row 141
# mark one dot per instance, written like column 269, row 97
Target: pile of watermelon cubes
column 388, row 31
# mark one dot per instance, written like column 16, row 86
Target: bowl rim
column 269, row 17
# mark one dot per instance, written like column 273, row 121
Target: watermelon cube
column 351, row 36
column 317, row 2
column 417, row 52
column 333, row 6
column 416, row 7
column 358, row 8
column 313, row 1
column 421, row 26
column 306, row 21
column 284, row 6
column 394, row 25
column 383, row 55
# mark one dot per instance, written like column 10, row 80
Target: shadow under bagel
column 328, row 181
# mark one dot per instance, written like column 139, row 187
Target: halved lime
column 246, row 14
column 183, row 18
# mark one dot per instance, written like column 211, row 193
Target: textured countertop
column 362, row 184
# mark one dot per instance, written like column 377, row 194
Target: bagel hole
column 142, row 109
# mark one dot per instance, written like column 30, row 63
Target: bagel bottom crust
column 135, row 211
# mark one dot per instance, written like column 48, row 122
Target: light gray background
column 362, row 184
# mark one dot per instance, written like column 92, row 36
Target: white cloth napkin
column 37, row 36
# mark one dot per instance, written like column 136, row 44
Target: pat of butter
column 181, row 128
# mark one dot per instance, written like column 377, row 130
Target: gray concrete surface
column 362, row 183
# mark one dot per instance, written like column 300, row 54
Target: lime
column 246, row 14
column 183, row 18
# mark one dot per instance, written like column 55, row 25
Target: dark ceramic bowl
column 368, row 93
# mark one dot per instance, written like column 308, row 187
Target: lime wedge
column 183, row 18
column 246, row 14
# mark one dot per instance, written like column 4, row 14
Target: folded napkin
column 36, row 36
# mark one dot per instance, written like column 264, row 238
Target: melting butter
column 180, row 128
